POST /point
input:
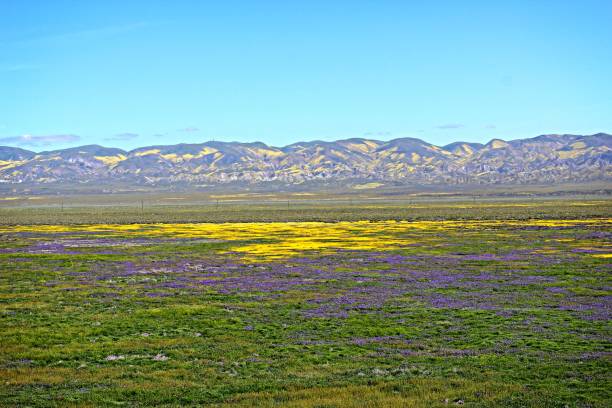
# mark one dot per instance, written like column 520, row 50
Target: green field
column 355, row 303
column 287, row 208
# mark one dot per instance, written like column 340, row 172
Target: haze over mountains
column 542, row 159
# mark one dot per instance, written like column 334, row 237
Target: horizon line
column 302, row 142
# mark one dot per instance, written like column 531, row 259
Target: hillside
column 542, row 159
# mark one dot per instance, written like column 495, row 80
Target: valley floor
column 473, row 304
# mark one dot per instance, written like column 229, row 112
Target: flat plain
column 500, row 303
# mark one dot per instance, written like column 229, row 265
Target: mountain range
column 542, row 159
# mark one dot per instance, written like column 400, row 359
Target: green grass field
column 135, row 209
column 390, row 304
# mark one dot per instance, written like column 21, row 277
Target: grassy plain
column 497, row 303
column 135, row 209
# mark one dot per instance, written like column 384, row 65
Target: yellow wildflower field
column 285, row 239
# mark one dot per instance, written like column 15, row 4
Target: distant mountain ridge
column 542, row 159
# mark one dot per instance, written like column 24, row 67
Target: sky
column 137, row 73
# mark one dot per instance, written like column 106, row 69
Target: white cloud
column 451, row 126
column 17, row 67
column 46, row 140
column 122, row 137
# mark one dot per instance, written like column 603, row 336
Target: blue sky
column 134, row 73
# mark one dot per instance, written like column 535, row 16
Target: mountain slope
column 542, row 159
